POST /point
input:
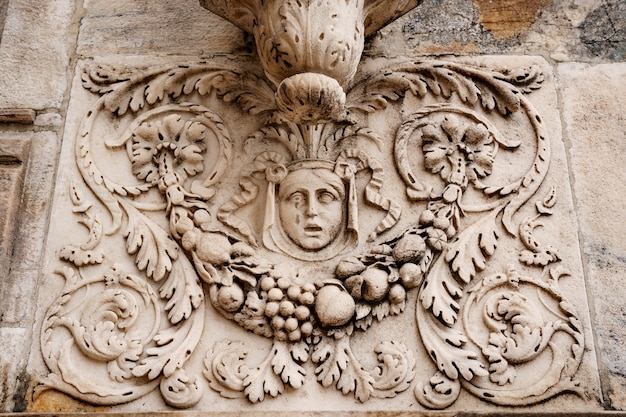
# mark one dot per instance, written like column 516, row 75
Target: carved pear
column 375, row 284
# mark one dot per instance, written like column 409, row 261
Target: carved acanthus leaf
column 173, row 347
column 338, row 366
column 537, row 253
column 472, row 85
column 469, row 253
column 447, row 348
column 520, row 330
column 440, row 292
column 396, row 370
column 526, row 79
column 440, row 392
column 286, row 366
column 86, row 253
column 180, row 390
column 183, row 291
column 135, row 91
column 105, row 319
column 154, row 250
column 231, row 377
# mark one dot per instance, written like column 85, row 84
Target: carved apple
column 397, row 294
column 410, row 275
column 334, row 306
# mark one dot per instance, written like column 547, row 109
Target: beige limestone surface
column 558, row 231
column 42, row 42
column 21, row 276
column 593, row 100
column 37, row 44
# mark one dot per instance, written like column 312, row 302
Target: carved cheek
column 332, row 213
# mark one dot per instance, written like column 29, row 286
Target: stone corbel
column 310, row 49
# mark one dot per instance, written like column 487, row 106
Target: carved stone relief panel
column 384, row 234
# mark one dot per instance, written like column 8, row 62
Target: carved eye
column 296, row 198
column 326, row 197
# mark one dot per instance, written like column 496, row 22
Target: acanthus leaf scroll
column 307, row 225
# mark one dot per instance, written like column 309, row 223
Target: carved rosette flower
column 458, row 151
column 168, row 145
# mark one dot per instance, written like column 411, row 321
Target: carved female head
column 311, row 207
column 307, row 213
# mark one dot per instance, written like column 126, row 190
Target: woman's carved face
column 311, row 207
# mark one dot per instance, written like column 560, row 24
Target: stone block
column 593, row 102
column 30, row 208
column 452, row 269
column 35, row 52
column 564, row 30
column 13, row 160
column 4, row 4
column 459, row 267
column 19, row 116
column 143, row 27
column 14, row 381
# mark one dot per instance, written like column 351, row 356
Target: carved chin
column 310, row 98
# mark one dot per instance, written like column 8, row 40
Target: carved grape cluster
column 276, row 307
column 288, row 307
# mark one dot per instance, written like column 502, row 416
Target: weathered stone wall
column 584, row 42
column 3, row 15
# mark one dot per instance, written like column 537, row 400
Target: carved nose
column 312, row 208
